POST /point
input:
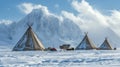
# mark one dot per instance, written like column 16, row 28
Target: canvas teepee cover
column 105, row 45
column 29, row 41
column 86, row 44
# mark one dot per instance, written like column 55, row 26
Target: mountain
column 6, row 33
column 52, row 31
column 49, row 28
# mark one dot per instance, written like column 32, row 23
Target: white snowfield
column 82, row 58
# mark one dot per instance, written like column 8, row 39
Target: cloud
column 91, row 20
column 71, row 16
column 6, row 22
column 87, row 12
column 28, row 7
column 87, row 17
column 92, row 17
column 114, row 21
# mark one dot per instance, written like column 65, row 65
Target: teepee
column 29, row 41
column 86, row 44
column 105, row 45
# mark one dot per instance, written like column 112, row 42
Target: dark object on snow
column 51, row 49
column 66, row 47
column 115, row 48
column 70, row 48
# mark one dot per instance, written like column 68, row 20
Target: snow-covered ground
column 83, row 58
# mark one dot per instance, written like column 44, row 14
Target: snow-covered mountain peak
column 49, row 28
